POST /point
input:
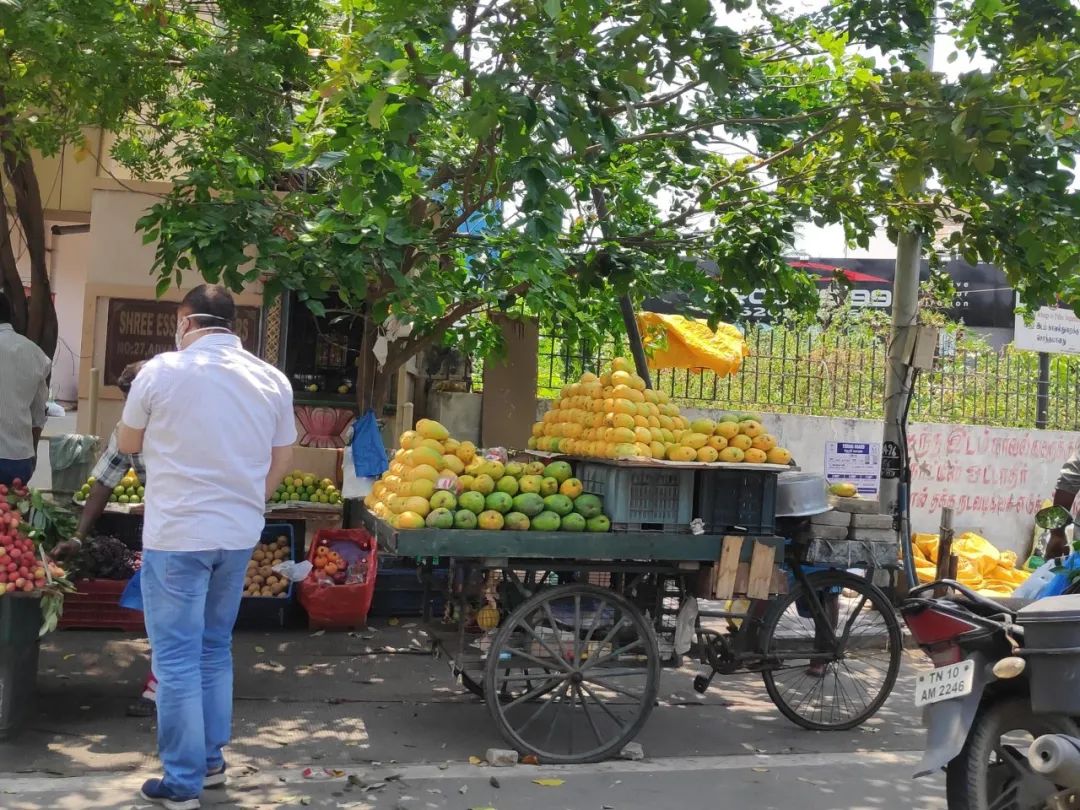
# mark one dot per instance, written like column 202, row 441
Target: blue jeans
column 10, row 469
column 190, row 601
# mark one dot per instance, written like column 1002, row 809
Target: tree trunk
column 41, row 326
column 11, row 283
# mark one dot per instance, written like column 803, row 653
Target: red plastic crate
column 96, row 606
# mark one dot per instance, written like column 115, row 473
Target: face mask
column 181, row 334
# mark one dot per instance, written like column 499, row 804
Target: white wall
column 994, row 478
column 68, row 257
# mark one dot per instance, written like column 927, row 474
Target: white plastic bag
column 293, row 571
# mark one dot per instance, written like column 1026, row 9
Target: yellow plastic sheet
column 980, row 566
column 691, row 344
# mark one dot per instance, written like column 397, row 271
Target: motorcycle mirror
column 1053, row 517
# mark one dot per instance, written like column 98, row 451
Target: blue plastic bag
column 369, row 455
column 1057, row 585
column 132, row 595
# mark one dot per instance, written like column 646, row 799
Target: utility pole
column 895, row 473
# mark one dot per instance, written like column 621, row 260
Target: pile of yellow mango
column 981, row 566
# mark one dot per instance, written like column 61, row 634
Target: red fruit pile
column 20, row 567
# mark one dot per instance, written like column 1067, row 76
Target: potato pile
column 260, row 579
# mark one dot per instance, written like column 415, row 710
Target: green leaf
column 375, row 109
column 910, row 178
column 998, row 136
column 553, row 8
column 983, row 160
column 163, row 286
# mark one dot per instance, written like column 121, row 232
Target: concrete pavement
column 377, row 707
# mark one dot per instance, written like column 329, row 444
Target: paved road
column 375, row 706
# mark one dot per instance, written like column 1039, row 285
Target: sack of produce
column 337, row 593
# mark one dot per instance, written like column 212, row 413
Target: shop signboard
column 983, row 297
column 138, row 329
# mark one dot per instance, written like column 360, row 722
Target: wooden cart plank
column 543, row 545
column 728, row 568
column 761, row 571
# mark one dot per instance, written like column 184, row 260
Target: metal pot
column 799, row 494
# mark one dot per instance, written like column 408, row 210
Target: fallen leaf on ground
column 393, row 622
column 69, row 656
column 530, row 759
column 475, row 760
column 259, row 650
column 761, row 770
column 549, row 782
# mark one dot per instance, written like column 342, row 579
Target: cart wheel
column 825, row 685
column 572, row 674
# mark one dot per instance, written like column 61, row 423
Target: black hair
column 212, row 301
column 5, row 308
column 128, row 375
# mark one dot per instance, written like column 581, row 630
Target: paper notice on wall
column 1053, row 329
column 858, row 463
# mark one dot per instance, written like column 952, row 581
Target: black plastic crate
column 20, row 621
column 265, row 612
column 736, row 501
column 400, row 592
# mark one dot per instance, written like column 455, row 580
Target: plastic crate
column 262, row 612
column 20, row 621
column 95, row 605
column 736, row 501
column 400, row 592
column 641, row 499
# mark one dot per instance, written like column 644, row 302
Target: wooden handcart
column 564, row 634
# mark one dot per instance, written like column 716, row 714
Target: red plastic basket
column 341, row 606
column 96, row 606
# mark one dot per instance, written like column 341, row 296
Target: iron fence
column 843, row 375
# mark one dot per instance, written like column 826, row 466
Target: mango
column 545, row 522
column 409, row 520
column 490, row 520
column 573, row 523
column 430, row 429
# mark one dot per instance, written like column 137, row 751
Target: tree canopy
column 433, row 161
column 121, row 66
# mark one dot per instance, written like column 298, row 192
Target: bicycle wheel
column 821, row 684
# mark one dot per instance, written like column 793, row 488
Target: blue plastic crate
column 641, row 499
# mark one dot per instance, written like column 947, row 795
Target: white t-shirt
column 212, row 413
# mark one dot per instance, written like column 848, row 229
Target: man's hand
column 66, row 548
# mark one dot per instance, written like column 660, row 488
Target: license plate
column 944, row 683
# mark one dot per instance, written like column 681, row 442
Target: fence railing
column 843, row 375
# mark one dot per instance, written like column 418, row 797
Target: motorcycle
column 1006, row 673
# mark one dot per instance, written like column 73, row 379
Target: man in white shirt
column 24, row 394
column 215, row 426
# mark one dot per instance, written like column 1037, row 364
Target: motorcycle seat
column 988, row 606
